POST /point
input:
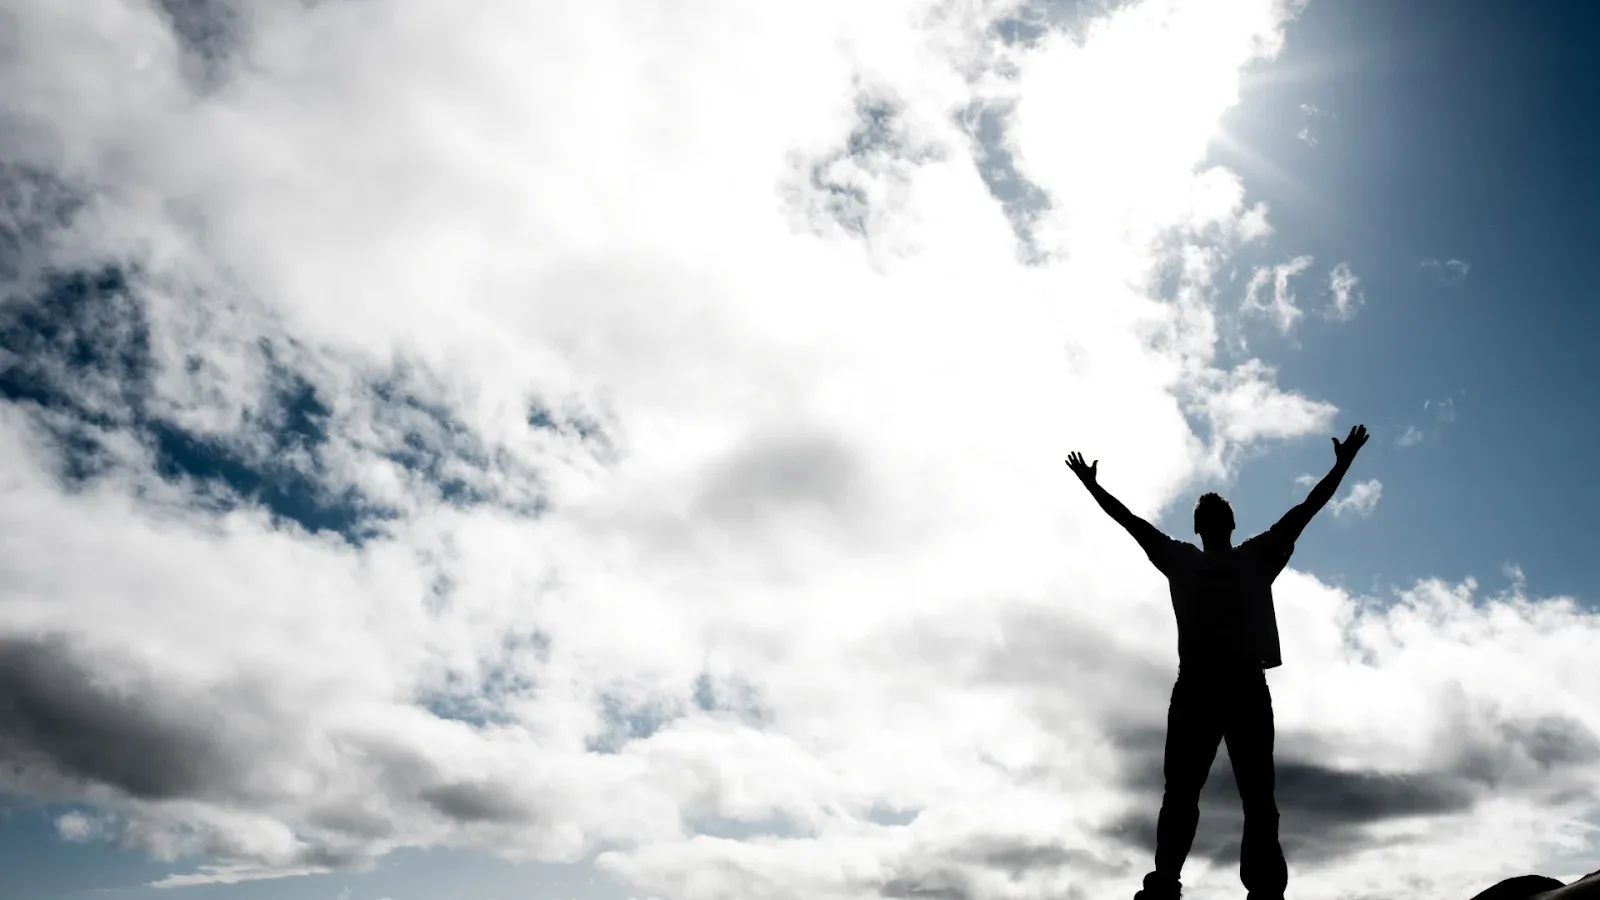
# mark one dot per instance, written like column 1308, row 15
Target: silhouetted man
column 1227, row 637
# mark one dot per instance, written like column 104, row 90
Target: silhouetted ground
column 1538, row 887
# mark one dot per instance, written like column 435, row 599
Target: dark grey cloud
column 93, row 723
column 776, row 472
column 469, row 802
column 964, row 870
column 210, row 32
column 205, row 27
column 946, row 884
column 1049, row 650
column 1526, row 752
column 406, row 776
column 355, row 821
column 72, row 720
column 35, row 205
column 1017, row 857
column 1324, row 811
column 958, row 871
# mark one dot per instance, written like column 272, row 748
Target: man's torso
column 1223, row 603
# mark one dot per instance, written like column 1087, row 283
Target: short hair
column 1213, row 511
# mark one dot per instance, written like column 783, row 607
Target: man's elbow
column 1295, row 521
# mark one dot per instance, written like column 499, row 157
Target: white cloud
column 1514, row 573
column 781, row 548
column 1360, row 500
column 1410, row 437
column 1450, row 271
column 1243, row 406
column 1347, row 295
column 1306, row 479
column 1278, row 304
column 1313, row 119
column 1443, row 411
column 79, row 827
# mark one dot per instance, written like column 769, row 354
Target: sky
column 599, row 450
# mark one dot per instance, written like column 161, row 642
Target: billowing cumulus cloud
column 1360, row 500
column 571, row 428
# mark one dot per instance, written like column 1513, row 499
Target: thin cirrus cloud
column 1449, row 271
column 530, row 430
column 1311, row 127
column 1442, row 412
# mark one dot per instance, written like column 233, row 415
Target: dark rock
column 1522, row 887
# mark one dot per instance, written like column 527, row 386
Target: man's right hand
column 1085, row 472
column 1346, row 452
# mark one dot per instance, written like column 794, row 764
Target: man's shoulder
column 1267, row 549
column 1183, row 551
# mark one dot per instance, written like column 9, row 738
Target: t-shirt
column 1223, row 599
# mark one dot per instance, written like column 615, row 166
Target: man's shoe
column 1156, row 888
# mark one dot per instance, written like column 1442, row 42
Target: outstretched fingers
column 1352, row 441
column 1076, row 463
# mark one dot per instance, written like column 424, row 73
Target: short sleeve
column 1272, row 548
column 1164, row 552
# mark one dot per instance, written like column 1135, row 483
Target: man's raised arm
column 1149, row 537
column 1296, row 519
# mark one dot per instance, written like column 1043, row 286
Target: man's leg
column 1194, row 728
column 1250, row 734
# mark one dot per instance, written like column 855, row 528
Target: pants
column 1209, row 706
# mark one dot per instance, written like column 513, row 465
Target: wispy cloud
column 233, row 874
column 1513, row 572
column 1347, row 295
column 1312, row 119
column 1442, row 412
column 1361, row 499
column 1450, row 271
column 1269, row 292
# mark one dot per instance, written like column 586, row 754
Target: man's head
column 1213, row 516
